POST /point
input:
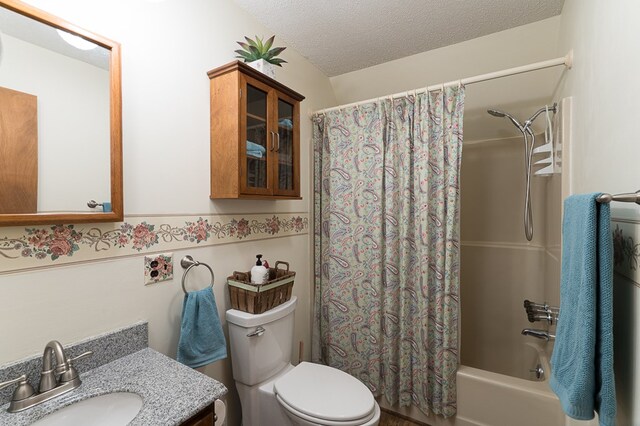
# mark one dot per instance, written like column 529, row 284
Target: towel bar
column 630, row 197
column 187, row 262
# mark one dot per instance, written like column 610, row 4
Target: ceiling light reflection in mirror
column 76, row 41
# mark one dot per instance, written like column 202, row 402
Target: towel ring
column 188, row 263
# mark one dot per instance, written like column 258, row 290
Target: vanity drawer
column 205, row 417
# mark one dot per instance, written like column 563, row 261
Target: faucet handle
column 24, row 389
column 81, row 356
column 22, row 378
column 72, row 373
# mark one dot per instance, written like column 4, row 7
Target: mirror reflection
column 54, row 119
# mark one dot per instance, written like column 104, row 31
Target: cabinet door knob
column 273, row 139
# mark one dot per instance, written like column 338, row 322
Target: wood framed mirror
column 60, row 121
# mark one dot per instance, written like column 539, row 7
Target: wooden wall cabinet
column 255, row 135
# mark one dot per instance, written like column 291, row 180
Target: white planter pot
column 264, row 67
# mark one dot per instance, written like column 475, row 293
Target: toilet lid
column 325, row 393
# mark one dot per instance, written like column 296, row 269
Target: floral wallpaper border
column 626, row 249
column 49, row 245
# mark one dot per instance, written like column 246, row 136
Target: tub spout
column 539, row 334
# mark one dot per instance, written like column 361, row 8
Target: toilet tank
column 255, row 359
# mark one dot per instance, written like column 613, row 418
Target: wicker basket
column 258, row 298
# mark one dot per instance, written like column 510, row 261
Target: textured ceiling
column 340, row 36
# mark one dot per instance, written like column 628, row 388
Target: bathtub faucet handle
column 549, row 317
column 534, row 306
column 541, row 312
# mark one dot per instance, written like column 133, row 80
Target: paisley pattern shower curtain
column 387, row 247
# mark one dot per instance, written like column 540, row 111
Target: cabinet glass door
column 257, row 175
column 285, row 149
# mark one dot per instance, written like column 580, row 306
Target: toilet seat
column 323, row 422
column 325, row 395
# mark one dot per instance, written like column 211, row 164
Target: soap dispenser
column 259, row 274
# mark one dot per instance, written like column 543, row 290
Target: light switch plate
column 158, row 267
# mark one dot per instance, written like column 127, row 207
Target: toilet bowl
column 274, row 392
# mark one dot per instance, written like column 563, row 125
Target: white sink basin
column 111, row 409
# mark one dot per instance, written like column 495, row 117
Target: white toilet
column 273, row 392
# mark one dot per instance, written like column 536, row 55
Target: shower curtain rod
column 567, row 61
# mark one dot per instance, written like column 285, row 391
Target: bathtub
column 486, row 398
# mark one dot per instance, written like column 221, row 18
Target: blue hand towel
column 201, row 339
column 582, row 359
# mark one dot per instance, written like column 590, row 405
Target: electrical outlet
column 158, row 267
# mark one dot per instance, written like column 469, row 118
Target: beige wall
column 167, row 48
column 492, row 194
column 499, row 267
column 605, row 87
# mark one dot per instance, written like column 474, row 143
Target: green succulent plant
column 254, row 50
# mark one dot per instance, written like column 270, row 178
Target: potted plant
column 259, row 55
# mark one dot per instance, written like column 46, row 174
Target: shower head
column 501, row 114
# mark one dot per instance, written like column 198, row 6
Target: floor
column 389, row 419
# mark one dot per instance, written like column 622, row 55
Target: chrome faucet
column 539, row 334
column 55, row 379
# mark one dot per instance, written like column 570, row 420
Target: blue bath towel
column 582, row 360
column 255, row 150
column 201, row 339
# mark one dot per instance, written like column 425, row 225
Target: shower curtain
column 387, row 246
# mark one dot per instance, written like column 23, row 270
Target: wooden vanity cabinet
column 255, row 135
column 206, row 417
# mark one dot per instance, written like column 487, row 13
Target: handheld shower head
column 501, row 114
column 527, row 134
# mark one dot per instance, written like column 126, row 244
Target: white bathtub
column 486, row 398
column 491, row 399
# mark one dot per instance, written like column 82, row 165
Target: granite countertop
column 171, row 392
